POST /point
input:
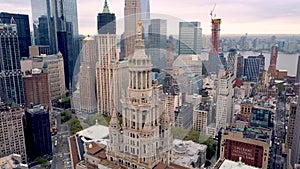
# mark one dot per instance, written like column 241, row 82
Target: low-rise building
column 97, row 134
column 188, row 153
column 251, row 144
column 13, row 161
column 228, row 164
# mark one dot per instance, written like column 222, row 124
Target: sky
column 238, row 16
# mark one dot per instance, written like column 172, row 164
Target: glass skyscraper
column 37, row 132
column 70, row 10
column 145, row 15
column 23, row 30
column 11, row 81
column 252, row 66
column 190, row 37
column 157, row 42
column 39, row 10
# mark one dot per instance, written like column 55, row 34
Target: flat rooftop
column 257, row 133
column 228, row 164
column 186, row 152
column 96, row 132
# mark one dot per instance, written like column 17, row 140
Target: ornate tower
column 107, row 60
column 144, row 139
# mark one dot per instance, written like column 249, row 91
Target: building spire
column 139, row 43
column 105, row 8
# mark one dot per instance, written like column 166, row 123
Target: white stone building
column 144, row 139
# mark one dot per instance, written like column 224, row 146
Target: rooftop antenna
column 12, row 20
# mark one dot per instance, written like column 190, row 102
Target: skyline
column 242, row 18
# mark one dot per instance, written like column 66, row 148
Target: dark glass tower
column 252, row 66
column 106, row 21
column 23, row 29
column 11, row 82
column 37, row 132
column 43, row 31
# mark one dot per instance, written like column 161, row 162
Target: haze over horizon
column 252, row 17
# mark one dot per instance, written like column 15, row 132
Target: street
column 277, row 160
column 61, row 155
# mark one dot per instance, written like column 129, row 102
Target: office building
column 173, row 96
column 157, row 42
column 262, row 65
column 214, row 62
column 105, row 72
column 40, row 11
column 252, row 66
column 240, row 66
column 36, row 87
column 171, row 51
column 37, row 132
column 145, row 16
column 11, row 79
column 61, row 16
column 231, row 64
column 106, row 21
column 54, row 64
column 132, row 14
column 295, row 155
column 87, row 76
column 120, row 84
column 273, row 61
column 190, row 38
column 12, row 138
column 200, row 117
column 252, row 145
column 146, row 132
column 70, row 11
column 291, row 123
column 43, row 31
column 223, row 62
column 188, row 73
column 261, row 117
column 23, row 30
column 298, row 71
column 224, row 100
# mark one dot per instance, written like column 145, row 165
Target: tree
column 65, row 116
column 179, row 132
column 75, row 126
column 41, row 161
column 193, row 135
column 210, row 151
